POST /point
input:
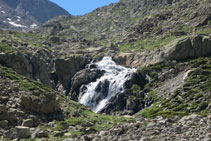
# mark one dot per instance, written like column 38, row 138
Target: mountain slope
column 24, row 14
column 133, row 24
column 10, row 19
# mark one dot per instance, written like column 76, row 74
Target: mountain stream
column 113, row 81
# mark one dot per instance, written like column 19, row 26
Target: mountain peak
column 30, row 12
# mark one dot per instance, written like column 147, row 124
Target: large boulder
column 18, row 62
column 20, row 132
column 68, row 67
column 42, row 104
column 186, row 48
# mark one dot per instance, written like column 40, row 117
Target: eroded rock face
column 36, row 66
column 201, row 16
column 42, row 63
column 192, row 47
column 18, row 62
column 67, row 68
column 179, row 50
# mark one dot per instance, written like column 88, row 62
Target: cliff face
column 25, row 14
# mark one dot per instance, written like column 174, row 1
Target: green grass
column 6, row 48
column 155, row 111
column 86, row 119
column 149, row 43
column 12, row 41
column 193, row 97
column 26, row 83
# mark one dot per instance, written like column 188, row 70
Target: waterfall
column 98, row 93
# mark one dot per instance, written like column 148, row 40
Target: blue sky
column 81, row 7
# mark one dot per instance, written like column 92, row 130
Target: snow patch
column 18, row 17
column 3, row 12
column 33, row 25
column 16, row 25
column 8, row 19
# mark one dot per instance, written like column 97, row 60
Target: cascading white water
column 115, row 77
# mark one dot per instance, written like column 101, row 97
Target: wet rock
column 81, row 78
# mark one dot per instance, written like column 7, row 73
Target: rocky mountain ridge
column 25, row 15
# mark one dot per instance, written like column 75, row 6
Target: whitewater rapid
column 113, row 79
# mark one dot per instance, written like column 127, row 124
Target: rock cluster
column 21, row 109
column 192, row 127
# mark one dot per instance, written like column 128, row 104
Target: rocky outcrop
column 18, row 62
column 24, row 102
column 191, row 47
column 42, row 62
column 179, row 50
column 68, row 67
column 37, row 66
column 201, row 16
